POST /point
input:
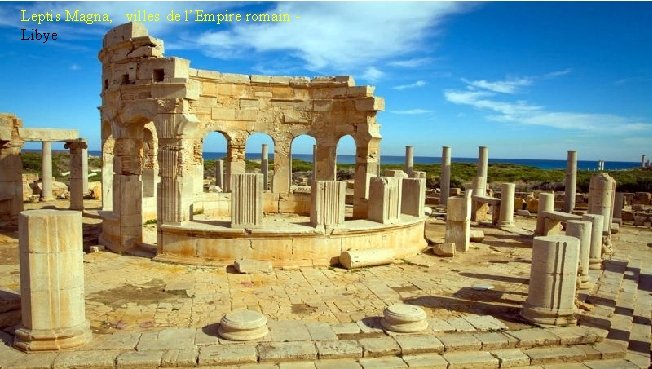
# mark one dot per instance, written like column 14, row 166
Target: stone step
column 640, row 337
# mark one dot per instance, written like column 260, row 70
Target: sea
column 399, row 159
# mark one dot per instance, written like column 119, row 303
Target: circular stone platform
column 404, row 318
column 243, row 325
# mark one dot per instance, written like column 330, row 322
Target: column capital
column 76, row 145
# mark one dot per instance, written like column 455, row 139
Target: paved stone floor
column 132, row 298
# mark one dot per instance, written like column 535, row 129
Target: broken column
column 595, row 249
column 413, row 197
column 76, row 174
column 328, row 203
column 246, row 200
column 264, row 165
column 480, row 182
column 546, row 203
column 219, row 174
column 581, row 230
column 458, row 222
column 553, row 277
column 409, row 160
column 445, row 176
column 619, row 203
column 570, row 181
column 643, row 161
column 506, row 218
column 51, row 281
column 385, row 199
column 46, row 171
column 601, row 193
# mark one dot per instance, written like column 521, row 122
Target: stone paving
column 150, row 314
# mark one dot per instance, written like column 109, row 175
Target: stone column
column 107, row 174
column 46, row 171
column 581, row 230
column 246, row 200
column 367, row 154
column 409, row 160
column 553, row 278
column 219, row 174
column 235, row 159
column 328, row 203
column 546, row 203
column 325, row 159
column 11, row 167
column 483, row 161
column 619, row 203
column 264, row 166
column 601, row 189
column 413, row 196
column 643, row 161
column 458, row 222
column 314, row 163
column 76, row 173
column 84, row 170
column 51, row 281
column 385, row 199
column 445, row 176
column 595, row 249
column 282, row 164
column 506, row 218
column 571, row 180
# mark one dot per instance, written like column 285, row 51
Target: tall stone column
column 246, row 200
column 553, row 278
column 219, row 174
column 571, row 181
column 107, row 174
column 76, row 173
column 264, row 165
column 46, row 171
column 367, row 155
column 506, row 218
column 235, row 159
column 458, row 222
column 51, row 281
column 480, row 182
column 445, row 176
column 328, row 203
column 409, row 160
column 643, row 161
column 581, row 230
column 601, row 193
column 325, row 159
column 546, row 203
column 595, row 250
column 282, row 164
column 84, row 170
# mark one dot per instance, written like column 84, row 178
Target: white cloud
column 557, row 73
column 410, row 63
column 508, row 86
column 411, row 112
column 521, row 112
column 332, row 35
column 419, row 83
column 372, row 74
column 74, row 67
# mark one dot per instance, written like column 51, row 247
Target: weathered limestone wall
column 11, row 166
column 247, row 200
column 385, row 199
column 328, row 203
column 413, row 196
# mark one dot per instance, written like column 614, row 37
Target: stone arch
column 346, row 146
column 214, row 149
column 303, row 144
column 254, row 150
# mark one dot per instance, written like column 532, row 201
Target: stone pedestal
column 219, row 174
column 619, row 203
column 46, row 171
column 413, row 198
column 458, row 222
column 385, row 199
column 409, row 160
column 595, row 248
column 553, row 278
column 264, row 165
column 445, row 177
column 328, row 203
column 84, row 169
column 546, row 203
column 243, row 325
column 570, row 181
column 76, row 174
column 51, row 281
column 581, row 230
column 404, row 318
column 601, row 196
column 506, row 218
column 246, row 200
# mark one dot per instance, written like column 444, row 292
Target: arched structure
column 143, row 91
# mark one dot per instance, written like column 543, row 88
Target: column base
column 548, row 317
column 506, row 224
column 595, row 264
column 52, row 339
column 584, row 282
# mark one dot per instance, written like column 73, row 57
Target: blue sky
column 527, row 79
